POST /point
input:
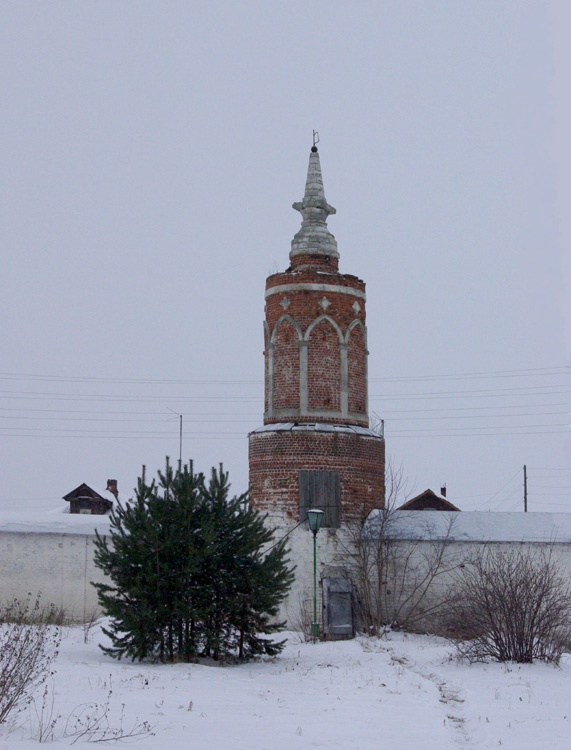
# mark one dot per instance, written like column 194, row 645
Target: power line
column 474, row 408
column 473, row 429
column 181, row 398
column 112, row 419
column 212, row 417
column 496, row 392
column 550, row 476
column 530, row 372
column 127, row 381
column 560, row 505
column 116, row 411
column 553, row 494
column 412, row 434
column 386, row 412
column 477, row 416
column 556, row 370
column 137, row 436
column 554, row 490
column 115, row 398
column 47, row 433
column 503, row 487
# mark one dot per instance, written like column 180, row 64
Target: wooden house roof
column 85, row 492
column 428, row 500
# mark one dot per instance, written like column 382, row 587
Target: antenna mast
column 180, row 446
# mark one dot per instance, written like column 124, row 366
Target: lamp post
column 315, row 519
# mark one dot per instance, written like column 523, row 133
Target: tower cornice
column 304, row 287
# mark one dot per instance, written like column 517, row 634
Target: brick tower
column 315, row 448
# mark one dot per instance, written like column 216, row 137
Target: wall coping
column 474, row 526
column 53, row 522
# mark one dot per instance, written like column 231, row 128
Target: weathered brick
column 315, row 352
column 277, row 457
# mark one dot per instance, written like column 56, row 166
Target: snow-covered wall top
column 464, row 526
column 475, row 526
column 56, row 522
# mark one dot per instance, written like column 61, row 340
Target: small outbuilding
column 87, row 500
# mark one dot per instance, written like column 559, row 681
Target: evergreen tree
column 189, row 573
column 246, row 584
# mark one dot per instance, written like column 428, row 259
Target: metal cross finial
column 315, row 138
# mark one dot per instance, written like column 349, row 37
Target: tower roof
column 314, row 237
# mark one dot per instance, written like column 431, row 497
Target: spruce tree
column 189, row 575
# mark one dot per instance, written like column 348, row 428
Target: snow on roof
column 105, row 493
column 476, row 526
column 58, row 521
column 314, row 427
column 467, row 526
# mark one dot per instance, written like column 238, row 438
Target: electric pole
column 180, row 446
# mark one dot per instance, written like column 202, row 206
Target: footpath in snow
column 402, row 692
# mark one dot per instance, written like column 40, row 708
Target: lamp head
column 315, row 519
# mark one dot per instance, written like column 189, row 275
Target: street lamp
column 315, row 519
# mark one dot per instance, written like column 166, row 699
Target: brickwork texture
column 315, row 352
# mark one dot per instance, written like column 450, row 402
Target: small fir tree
column 189, row 575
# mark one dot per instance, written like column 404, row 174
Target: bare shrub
column 393, row 576
column 31, row 612
column 28, row 646
column 396, row 577
column 510, row 605
column 301, row 620
column 88, row 722
column 89, row 622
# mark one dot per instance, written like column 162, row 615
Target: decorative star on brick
column 325, row 303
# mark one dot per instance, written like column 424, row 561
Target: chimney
column 112, row 487
column 442, row 490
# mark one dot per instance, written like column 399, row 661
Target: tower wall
column 277, row 457
column 315, row 448
column 315, row 347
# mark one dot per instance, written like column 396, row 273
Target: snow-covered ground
column 402, row 692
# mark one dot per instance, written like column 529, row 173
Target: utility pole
column 180, row 447
column 524, row 488
column 179, row 438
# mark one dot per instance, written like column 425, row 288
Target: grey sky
column 151, row 152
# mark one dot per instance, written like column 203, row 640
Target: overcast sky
column 150, row 154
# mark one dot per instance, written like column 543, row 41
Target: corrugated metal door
column 338, row 608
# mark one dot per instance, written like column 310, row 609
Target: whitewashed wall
column 58, row 566
column 332, row 551
column 53, row 558
column 465, row 535
column 419, row 533
column 458, row 555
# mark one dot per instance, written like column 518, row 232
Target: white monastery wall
column 52, row 557
column 55, row 556
column 333, row 546
column 457, row 556
column 415, row 535
column 57, row 566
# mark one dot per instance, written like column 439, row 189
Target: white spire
column 314, row 238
